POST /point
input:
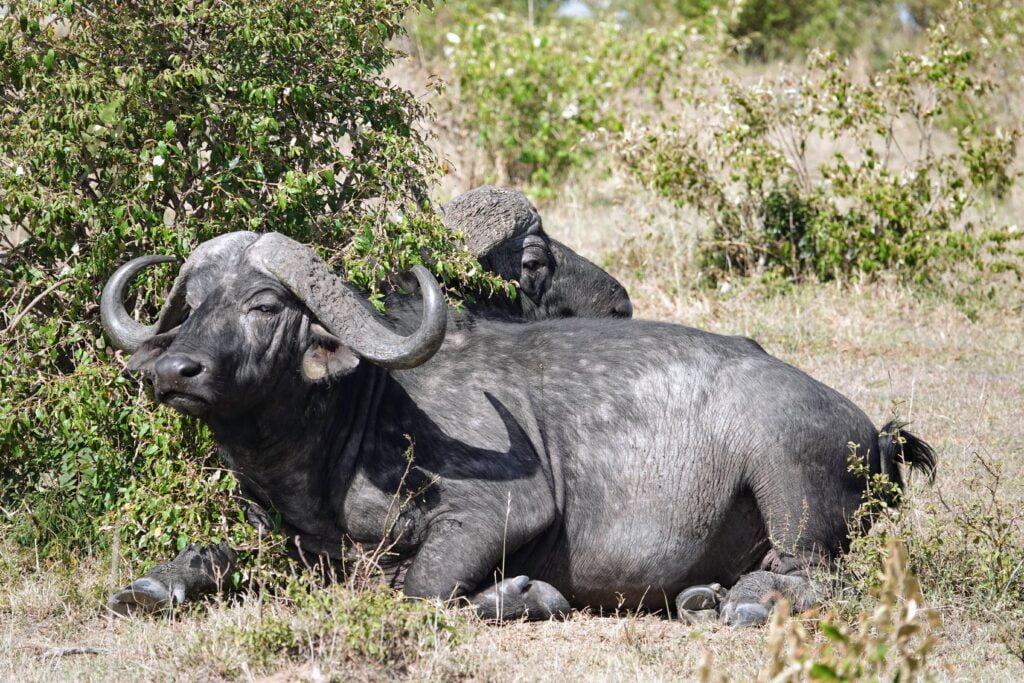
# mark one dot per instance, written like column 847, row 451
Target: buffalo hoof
column 543, row 601
column 699, row 604
column 700, row 597
column 744, row 614
column 520, row 597
column 145, row 596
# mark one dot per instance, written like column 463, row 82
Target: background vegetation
column 839, row 180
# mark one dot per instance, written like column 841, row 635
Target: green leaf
column 832, row 633
column 823, row 672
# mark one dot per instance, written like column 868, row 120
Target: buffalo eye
column 532, row 264
column 265, row 307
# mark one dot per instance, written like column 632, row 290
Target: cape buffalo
column 602, row 463
column 505, row 232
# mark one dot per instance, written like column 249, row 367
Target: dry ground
column 958, row 377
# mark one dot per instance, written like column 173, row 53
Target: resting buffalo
column 599, row 463
column 505, row 232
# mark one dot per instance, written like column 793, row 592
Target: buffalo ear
column 326, row 355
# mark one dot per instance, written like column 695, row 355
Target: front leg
column 197, row 570
column 459, row 560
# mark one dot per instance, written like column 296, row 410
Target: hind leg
column 806, row 522
column 751, row 600
column 800, row 544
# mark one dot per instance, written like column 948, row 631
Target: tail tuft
column 897, row 446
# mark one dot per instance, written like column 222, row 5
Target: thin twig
column 51, row 651
column 31, row 304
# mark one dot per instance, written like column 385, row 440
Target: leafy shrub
column 532, row 94
column 770, row 29
column 968, row 550
column 773, row 28
column 147, row 127
column 900, row 199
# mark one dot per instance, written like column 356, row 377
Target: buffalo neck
column 298, row 454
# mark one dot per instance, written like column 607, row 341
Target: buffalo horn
column 128, row 335
column 345, row 313
column 488, row 216
column 124, row 332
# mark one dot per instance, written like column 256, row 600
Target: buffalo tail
column 897, row 446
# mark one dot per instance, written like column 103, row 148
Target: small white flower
column 725, row 288
column 158, row 161
column 453, row 38
column 1012, row 228
column 75, row 248
column 536, row 42
column 509, row 72
column 571, row 111
column 448, row 50
column 20, row 170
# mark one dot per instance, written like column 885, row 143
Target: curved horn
column 345, row 313
column 488, row 216
column 207, row 263
column 124, row 332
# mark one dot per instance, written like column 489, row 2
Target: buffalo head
column 252, row 316
column 504, row 231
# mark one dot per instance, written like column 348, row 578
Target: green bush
column 968, row 549
column 533, row 94
column 900, row 189
column 146, row 127
column 775, row 28
column 771, row 29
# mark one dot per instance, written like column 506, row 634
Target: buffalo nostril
column 190, row 368
column 623, row 310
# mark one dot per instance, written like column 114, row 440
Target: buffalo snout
column 173, row 366
column 623, row 309
column 179, row 380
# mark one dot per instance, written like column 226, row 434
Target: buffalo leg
column 197, row 570
column 750, row 601
column 457, row 559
